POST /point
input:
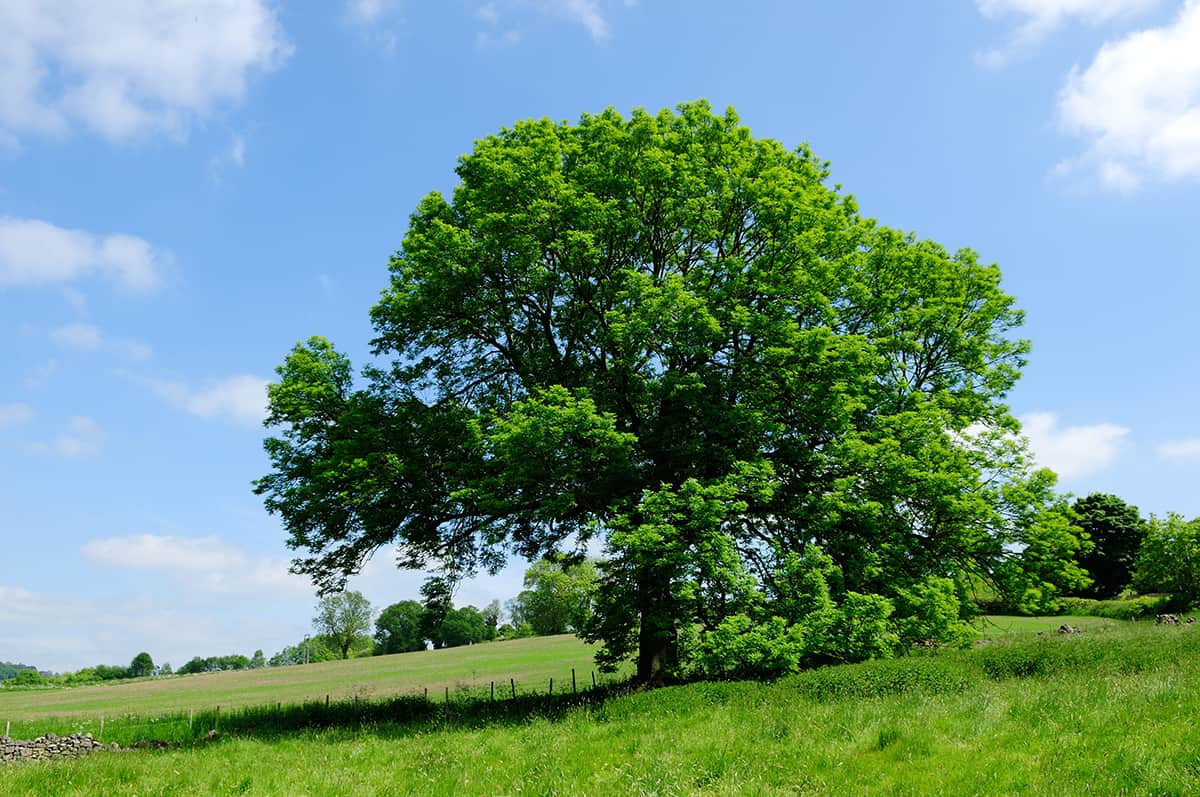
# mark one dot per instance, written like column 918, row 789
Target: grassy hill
column 531, row 662
column 1109, row 711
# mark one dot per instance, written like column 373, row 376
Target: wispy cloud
column 1185, row 450
column 15, row 414
column 89, row 337
column 60, row 67
column 232, row 157
column 1037, row 19
column 212, row 563
column 241, row 399
column 1072, row 451
column 83, row 437
column 34, row 252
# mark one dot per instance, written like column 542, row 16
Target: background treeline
column 1130, row 567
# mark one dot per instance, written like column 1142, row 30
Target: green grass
column 1107, row 712
column 531, row 661
column 994, row 625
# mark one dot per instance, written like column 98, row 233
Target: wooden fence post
column 512, row 682
column 573, row 690
column 593, row 679
column 190, row 711
column 217, row 720
column 326, row 701
column 7, row 727
column 101, row 734
column 551, row 685
column 447, row 695
column 493, row 690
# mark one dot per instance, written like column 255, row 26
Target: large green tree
column 663, row 331
column 1116, row 531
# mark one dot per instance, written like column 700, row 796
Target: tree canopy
column 664, row 332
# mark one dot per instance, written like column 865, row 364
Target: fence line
column 180, row 725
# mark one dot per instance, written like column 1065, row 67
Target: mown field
column 1108, row 711
column 530, row 662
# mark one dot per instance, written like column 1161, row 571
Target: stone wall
column 49, row 746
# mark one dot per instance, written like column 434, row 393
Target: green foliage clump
column 932, row 611
column 1169, row 560
column 1139, row 607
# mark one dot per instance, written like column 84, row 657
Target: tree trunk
column 656, row 632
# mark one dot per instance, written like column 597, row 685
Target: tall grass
column 1108, row 712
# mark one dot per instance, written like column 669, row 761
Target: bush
column 930, row 611
column 740, row 648
column 1138, row 608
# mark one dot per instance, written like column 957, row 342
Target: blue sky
column 188, row 187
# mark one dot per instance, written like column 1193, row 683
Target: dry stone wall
column 49, row 746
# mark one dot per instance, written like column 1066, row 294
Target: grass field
column 1110, row 711
column 531, row 662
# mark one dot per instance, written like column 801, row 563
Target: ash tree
column 663, row 332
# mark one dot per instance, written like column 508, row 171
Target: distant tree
column 557, row 597
column 344, row 617
column 308, row 651
column 9, row 670
column 491, row 617
column 437, row 602
column 1169, row 560
column 27, row 678
column 1117, row 531
column 165, row 668
column 141, row 666
column 463, row 626
column 398, row 628
column 258, row 661
column 110, row 672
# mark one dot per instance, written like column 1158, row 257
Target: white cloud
column 1139, row 104
column 125, row 68
column 242, row 398
column 212, row 563
column 1039, row 18
column 89, row 337
column 1186, row 450
column 1072, row 451
column 34, row 252
column 14, row 414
